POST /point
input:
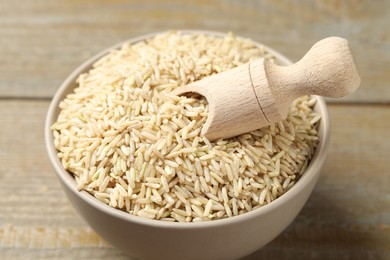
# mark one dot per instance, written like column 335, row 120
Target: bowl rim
column 312, row 171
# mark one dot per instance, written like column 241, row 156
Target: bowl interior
column 69, row 84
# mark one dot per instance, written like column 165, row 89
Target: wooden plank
column 42, row 41
column 347, row 216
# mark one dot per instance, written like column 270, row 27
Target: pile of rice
column 134, row 146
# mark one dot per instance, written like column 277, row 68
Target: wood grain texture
column 347, row 216
column 42, row 41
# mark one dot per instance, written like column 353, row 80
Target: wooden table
column 42, row 41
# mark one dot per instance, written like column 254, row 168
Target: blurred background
column 43, row 41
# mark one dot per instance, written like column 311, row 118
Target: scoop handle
column 328, row 69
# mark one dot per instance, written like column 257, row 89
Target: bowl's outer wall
column 216, row 242
column 230, row 240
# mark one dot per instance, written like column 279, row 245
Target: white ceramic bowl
column 230, row 238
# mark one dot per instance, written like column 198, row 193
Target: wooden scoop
column 259, row 93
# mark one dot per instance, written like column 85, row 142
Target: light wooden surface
column 348, row 214
column 42, row 41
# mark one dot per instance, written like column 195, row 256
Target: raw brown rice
column 136, row 147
